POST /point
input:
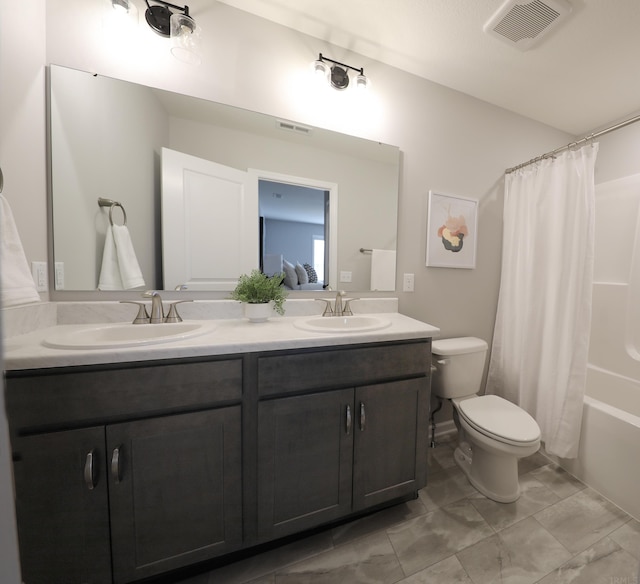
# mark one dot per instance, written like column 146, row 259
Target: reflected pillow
column 311, row 273
column 303, row 277
column 290, row 276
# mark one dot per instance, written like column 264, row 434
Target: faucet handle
column 143, row 316
column 346, row 309
column 172, row 315
column 328, row 311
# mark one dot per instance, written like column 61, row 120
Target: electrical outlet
column 59, row 276
column 39, row 273
column 408, row 283
column 345, row 276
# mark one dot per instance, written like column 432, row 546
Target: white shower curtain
column 541, row 337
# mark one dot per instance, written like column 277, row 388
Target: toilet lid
column 496, row 417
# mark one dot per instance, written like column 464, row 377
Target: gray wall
column 292, row 239
column 450, row 142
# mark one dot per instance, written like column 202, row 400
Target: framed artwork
column 452, row 231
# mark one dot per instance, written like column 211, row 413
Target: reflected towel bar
column 365, row 250
column 111, row 204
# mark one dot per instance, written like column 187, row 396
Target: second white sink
column 342, row 324
column 106, row 336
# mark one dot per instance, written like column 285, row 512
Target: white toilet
column 493, row 432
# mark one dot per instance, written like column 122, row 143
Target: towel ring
column 111, row 204
column 124, row 214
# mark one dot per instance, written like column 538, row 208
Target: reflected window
column 318, row 254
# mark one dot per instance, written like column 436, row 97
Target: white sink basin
column 342, row 324
column 107, row 336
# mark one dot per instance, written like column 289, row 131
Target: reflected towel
column 120, row 268
column 16, row 283
column 383, row 269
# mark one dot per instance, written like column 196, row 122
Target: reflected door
column 209, row 223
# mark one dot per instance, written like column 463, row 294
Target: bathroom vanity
column 131, row 464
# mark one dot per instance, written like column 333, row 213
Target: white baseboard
column 444, row 431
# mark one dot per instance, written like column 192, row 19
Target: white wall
column 22, row 120
column 619, row 153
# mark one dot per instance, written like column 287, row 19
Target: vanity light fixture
column 122, row 11
column 169, row 20
column 337, row 74
column 122, row 6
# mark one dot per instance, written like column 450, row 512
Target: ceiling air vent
column 523, row 24
column 292, row 127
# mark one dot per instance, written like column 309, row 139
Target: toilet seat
column 499, row 419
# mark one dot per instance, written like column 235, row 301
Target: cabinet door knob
column 88, row 471
column 363, row 417
column 348, row 420
column 115, row 465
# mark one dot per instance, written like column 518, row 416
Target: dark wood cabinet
column 172, row 497
column 62, row 507
column 326, row 454
column 174, row 491
column 305, row 460
column 138, row 486
column 390, row 441
column 132, row 470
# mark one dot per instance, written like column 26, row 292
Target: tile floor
column 558, row 532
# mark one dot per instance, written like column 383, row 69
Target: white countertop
column 228, row 337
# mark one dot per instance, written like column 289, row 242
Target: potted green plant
column 259, row 292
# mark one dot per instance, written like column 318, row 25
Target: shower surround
column 611, row 418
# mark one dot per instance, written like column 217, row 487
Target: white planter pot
column 258, row 312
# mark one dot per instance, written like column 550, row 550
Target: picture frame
column 452, row 231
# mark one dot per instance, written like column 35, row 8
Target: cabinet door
column 175, row 491
column 390, row 441
column 62, row 507
column 305, row 455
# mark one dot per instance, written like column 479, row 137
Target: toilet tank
column 459, row 365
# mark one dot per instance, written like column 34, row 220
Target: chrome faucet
column 157, row 310
column 339, row 308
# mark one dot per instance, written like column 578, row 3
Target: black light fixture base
column 339, row 77
column 158, row 18
column 339, row 73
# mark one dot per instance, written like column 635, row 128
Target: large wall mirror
column 322, row 196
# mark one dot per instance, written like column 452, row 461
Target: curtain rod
column 574, row 144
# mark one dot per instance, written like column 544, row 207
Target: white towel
column 383, row 269
column 16, row 283
column 120, row 268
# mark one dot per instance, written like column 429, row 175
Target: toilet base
column 496, row 477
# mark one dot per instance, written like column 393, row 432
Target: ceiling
column 578, row 78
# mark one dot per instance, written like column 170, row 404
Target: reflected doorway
column 294, row 231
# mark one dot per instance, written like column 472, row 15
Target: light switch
column 59, row 276
column 39, row 273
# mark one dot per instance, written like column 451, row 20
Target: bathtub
column 610, row 439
